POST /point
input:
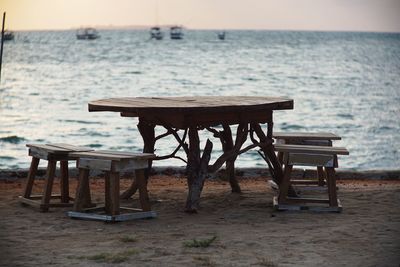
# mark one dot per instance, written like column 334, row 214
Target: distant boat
column 8, row 35
column 87, row 34
column 221, row 35
column 156, row 33
column 176, row 33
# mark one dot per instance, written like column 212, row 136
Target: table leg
column 227, row 145
column 274, row 165
column 148, row 134
column 64, row 181
column 196, row 169
column 268, row 150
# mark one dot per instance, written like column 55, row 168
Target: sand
column 246, row 230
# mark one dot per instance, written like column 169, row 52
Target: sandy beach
column 230, row 229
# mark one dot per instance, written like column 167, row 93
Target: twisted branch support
column 148, row 134
column 270, row 157
column 227, row 145
column 197, row 169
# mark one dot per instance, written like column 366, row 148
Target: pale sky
column 341, row 15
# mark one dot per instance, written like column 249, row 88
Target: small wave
column 251, row 79
column 133, row 72
column 95, row 145
column 92, row 133
column 291, row 127
column 345, row 116
column 12, row 139
column 126, row 148
column 386, row 128
column 82, row 122
column 7, row 158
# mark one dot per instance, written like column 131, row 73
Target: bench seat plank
column 323, row 150
column 306, row 136
column 112, row 155
column 71, row 147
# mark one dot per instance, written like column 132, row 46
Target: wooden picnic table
column 216, row 114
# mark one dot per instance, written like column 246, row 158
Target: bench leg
column 321, row 176
column 114, row 205
column 280, row 157
column 51, row 171
column 331, row 177
column 107, row 197
column 284, row 186
column 64, row 183
column 31, row 177
column 143, row 194
column 82, row 197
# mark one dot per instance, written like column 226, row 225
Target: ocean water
column 346, row 83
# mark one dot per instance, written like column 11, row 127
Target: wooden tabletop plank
column 190, row 104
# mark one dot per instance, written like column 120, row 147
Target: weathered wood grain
column 189, row 104
column 306, row 136
column 312, row 149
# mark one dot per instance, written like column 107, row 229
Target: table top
column 189, row 104
column 199, row 111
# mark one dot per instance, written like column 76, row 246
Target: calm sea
column 346, row 83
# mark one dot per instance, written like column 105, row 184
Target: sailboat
column 8, row 35
column 221, row 35
column 156, row 33
column 176, row 33
column 87, row 34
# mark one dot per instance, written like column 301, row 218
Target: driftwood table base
column 198, row 164
column 193, row 114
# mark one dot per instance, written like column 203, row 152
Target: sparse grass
column 267, row 262
column 107, row 257
column 161, row 252
column 204, row 261
column 201, row 243
column 128, row 239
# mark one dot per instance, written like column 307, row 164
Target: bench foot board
column 37, row 197
column 88, row 214
column 308, row 182
column 303, row 207
column 310, row 188
column 36, row 201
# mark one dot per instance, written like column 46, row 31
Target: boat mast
column 2, row 42
column 156, row 13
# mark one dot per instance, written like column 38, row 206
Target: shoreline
column 14, row 174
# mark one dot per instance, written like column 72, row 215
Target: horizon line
column 146, row 27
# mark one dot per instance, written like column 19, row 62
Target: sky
column 325, row 15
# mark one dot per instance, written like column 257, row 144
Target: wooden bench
column 303, row 155
column 112, row 163
column 311, row 139
column 52, row 153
